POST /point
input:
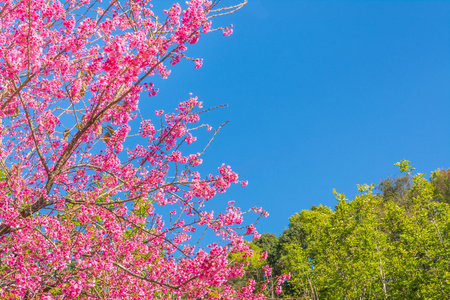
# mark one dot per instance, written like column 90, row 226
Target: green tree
column 388, row 245
column 253, row 266
column 441, row 181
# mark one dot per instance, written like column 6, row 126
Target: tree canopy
column 387, row 243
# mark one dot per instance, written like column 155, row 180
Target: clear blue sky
column 322, row 95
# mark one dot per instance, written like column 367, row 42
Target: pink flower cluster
column 82, row 188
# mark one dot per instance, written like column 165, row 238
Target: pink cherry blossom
column 92, row 205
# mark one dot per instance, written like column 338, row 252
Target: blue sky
column 321, row 95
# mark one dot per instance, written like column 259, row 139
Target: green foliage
column 393, row 244
column 405, row 166
column 253, row 265
column 268, row 242
column 441, row 182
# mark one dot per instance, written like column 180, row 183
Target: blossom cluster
column 83, row 190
